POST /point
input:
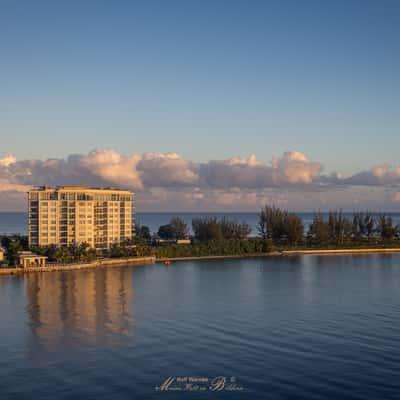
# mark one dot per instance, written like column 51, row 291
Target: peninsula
column 103, row 219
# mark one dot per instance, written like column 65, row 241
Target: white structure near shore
column 69, row 215
column 27, row 259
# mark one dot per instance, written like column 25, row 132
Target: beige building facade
column 69, row 215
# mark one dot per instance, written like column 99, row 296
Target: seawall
column 190, row 258
column 74, row 267
column 320, row 252
column 152, row 259
column 340, row 251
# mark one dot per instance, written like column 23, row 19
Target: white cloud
column 166, row 169
column 7, row 160
column 396, row 197
column 113, row 167
column 168, row 181
column 293, row 168
column 376, row 176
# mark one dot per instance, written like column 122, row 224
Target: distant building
column 2, row 252
column 69, row 215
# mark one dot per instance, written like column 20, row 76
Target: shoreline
column 233, row 256
column 322, row 252
column 341, row 251
column 117, row 262
column 111, row 262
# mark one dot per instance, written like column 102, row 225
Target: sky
column 242, row 102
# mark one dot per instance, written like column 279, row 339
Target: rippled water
column 306, row 327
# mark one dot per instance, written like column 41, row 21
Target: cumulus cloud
column 139, row 171
column 376, row 176
column 96, row 168
column 165, row 170
column 8, row 181
column 7, row 160
column 396, row 197
column 293, row 168
column 112, row 167
column 169, row 179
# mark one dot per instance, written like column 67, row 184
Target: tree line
column 204, row 230
column 276, row 229
column 279, row 227
column 358, row 229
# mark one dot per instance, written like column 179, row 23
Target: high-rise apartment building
column 69, row 215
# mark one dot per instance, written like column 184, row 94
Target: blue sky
column 208, row 80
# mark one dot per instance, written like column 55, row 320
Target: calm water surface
column 306, row 327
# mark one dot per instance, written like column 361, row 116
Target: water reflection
column 64, row 308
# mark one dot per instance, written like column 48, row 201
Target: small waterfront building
column 68, row 215
column 2, row 252
column 28, row 259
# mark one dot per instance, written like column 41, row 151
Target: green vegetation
column 219, row 230
column 277, row 230
column 83, row 253
column 277, row 227
column 143, row 232
column 12, row 245
column 212, row 237
column 70, row 254
column 362, row 230
column 210, row 248
column 176, row 229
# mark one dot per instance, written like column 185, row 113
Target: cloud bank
column 166, row 181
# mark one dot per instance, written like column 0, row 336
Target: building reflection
column 80, row 306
